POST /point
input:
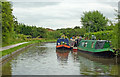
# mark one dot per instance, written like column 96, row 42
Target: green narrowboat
column 96, row 47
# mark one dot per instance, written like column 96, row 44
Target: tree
column 77, row 27
column 94, row 21
column 0, row 24
column 7, row 22
column 116, row 33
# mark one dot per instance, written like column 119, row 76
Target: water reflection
column 6, row 69
column 75, row 55
column 44, row 59
column 62, row 55
column 90, row 65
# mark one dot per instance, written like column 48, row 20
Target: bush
column 103, row 35
column 53, row 35
column 112, row 36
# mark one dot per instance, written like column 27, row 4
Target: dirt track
column 11, row 46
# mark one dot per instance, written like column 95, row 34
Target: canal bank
column 6, row 54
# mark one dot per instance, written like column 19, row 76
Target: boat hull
column 105, row 54
column 63, row 47
column 75, row 49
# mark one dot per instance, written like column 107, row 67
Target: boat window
column 106, row 45
column 62, row 41
column 99, row 44
column 82, row 43
column 85, row 45
column 92, row 44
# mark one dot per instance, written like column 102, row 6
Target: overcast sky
column 56, row 14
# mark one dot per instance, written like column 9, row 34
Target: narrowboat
column 96, row 47
column 73, row 43
column 63, row 44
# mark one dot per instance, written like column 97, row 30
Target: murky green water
column 44, row 59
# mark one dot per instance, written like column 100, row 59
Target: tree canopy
column 94, row 21
column 30, row 30
column 116, row 33
column 7, row 22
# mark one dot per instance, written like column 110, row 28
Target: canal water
column 45, row 59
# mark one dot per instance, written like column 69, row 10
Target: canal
column 44, row 59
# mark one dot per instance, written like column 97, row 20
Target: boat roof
column 99, row 44
column 65, row 40
column 95, row 40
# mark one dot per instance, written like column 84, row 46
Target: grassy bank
column 15, row 41
column 9, row 51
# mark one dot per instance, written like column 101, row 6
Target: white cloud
column 60, row 14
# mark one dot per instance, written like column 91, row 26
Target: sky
column 56, row 14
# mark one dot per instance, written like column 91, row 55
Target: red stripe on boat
column 75, row 49
column 59, row 46
column 66, row 46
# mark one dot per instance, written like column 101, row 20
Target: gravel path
column 11, row 46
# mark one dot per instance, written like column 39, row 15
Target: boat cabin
column 94, row 44
column 62, row 42
column 96, row 47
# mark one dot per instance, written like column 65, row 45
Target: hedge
column 101, row 35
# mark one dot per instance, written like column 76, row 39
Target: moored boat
column 74, row 43
column 63, row 44
column 74, row 48
column 96, row 47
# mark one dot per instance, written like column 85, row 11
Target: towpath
column 11, row 46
